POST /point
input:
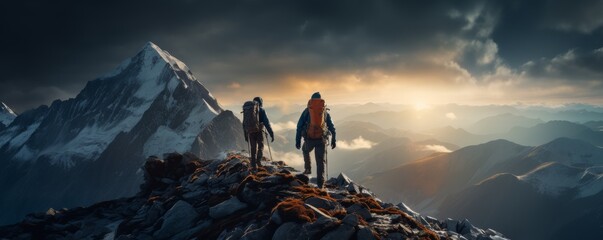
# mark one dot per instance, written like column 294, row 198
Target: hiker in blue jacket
column 316, row 144
column 256, row 139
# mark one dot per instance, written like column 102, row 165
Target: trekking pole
column 248, row 146
column 268, row 141
column 327, row 159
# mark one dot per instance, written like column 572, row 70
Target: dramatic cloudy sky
column 472, row 52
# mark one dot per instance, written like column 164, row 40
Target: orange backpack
column 316, row 126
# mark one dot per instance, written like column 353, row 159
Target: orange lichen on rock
column 292, row 209
column 369, row 201
column 408, row 220
column 308, row 192
column 287, row 177
column 195, row 175
column 262, row 172
column 361, row 220
column 192, row 166
column 337, row 213
column 153, row 199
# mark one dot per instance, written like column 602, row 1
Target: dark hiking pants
column 319, row 153
column 256, row 140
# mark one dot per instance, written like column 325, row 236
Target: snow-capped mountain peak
column 150, row 103
column 7, row 115
column 152, row 81
column 5, row 109
column 152, row 57
column 152, row 53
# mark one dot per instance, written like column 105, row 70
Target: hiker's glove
column 333, row 144
column 298, row 144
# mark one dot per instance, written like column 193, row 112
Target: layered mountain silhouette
column 505, row 185
column 502, row 123
column 184, row 197
column 87, row 148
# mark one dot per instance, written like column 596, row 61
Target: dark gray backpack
column 251, row 116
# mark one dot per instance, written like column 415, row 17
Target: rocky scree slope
column 184, row 197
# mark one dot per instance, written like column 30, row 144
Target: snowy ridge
column 566, row 164
column 572, row 152
column 174, row 62
column 7, row 115
column 554, row 179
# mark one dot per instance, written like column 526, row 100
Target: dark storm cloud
column 50, row 49
column 574, row 65
column 529, row 30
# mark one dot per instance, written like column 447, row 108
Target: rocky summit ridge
column 184, row 197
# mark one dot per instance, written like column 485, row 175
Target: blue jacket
column 304, row 119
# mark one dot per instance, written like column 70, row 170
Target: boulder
column 317, row 211
column 179, row 218
column 360, row 210
column 451, row 224
column 407, row 210
column 303, row 178
column 321, row 203
column 154, row 168
column 343, row 232
column 290, row 230
column 351, row 219
column 343, row 180
column 320, row 225
column 262, row 233
column 353, row 188
column 276, row 218
column 226, row 208
column 365, row 233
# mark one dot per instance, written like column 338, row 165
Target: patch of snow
column 166, row 139
column 554, row 178
column 91, row 141
column 210, row 108
column 500, row 152
column 113, row 228
column 570, row 152
column 19, row 139
column 173, row 83
column 7, row 115
column 591, row 188
column 5, row 108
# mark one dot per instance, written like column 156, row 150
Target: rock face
column 185, row 197
column 151, row 103
column 6, row 116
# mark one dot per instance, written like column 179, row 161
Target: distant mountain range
column 89, row 148
column 522, row 190
column 502, row 123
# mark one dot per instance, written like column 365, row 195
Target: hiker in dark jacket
column 318, row 144
column 256, row 139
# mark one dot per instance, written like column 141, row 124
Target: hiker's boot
column 308, row 171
